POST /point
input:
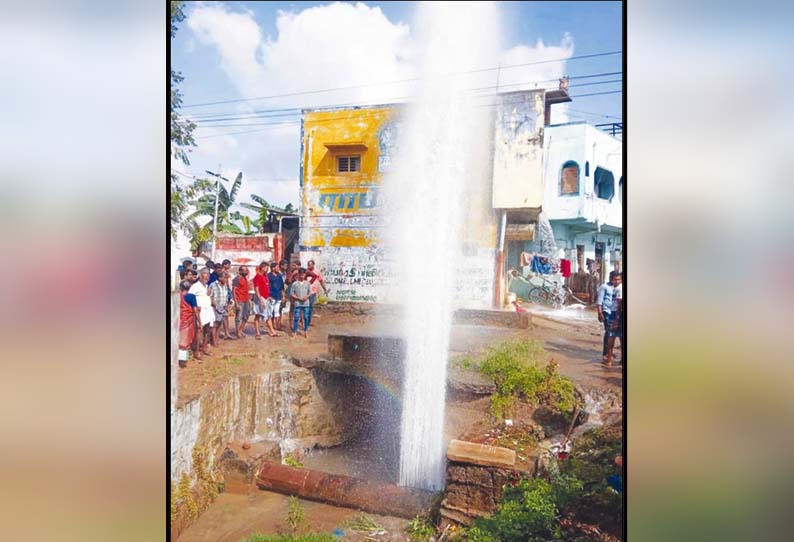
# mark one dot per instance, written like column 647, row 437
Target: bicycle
column 552, row 294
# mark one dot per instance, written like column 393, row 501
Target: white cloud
column 336, row 45
column 536, row 75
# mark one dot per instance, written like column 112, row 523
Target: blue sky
column 238, row 50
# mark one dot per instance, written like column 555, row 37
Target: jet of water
column 442, row 138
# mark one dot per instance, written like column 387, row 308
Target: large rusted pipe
column 373, row 497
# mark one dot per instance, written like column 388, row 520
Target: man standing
column 315, row 280
column 299, row 291
column 606, row 305
column 241, row 300
column 186, row 266
column 261, row 295
column 215, row 273
column 219, row 293
column 286, row 272
column 204, row 313
column 276, row 295
column 618, row 319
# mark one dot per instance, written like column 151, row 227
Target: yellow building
column 345, row 153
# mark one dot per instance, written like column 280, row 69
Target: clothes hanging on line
column 565, row 267
column 541, row 265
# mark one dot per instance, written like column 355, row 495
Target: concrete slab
column 480, row 454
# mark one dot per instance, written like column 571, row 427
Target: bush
column 531, row 510
column 527, row 513
column 591, row 463
column 515, row 368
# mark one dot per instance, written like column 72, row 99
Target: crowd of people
column 211, row 295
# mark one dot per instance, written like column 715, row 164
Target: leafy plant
column 296, row 517
column 420, row 530
column 293, row 462
column 592, row 462
column 527, row 513
column 534, row 509
column 515, row 368
column 261, row 207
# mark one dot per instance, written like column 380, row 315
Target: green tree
column 289, row 208
column 261, row 207
column 205, row 207
column 181, row 142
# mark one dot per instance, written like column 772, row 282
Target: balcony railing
column 612, row 128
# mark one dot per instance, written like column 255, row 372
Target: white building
column 583, row 190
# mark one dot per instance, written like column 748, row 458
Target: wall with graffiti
column 340, row 227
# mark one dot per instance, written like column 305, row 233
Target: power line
column 597, row 94
column 350, row 87
column 297, row 122
column 229, row 116
column 594, row 114
column 297, row 110
column 596, row 83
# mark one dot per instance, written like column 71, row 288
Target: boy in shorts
column 276, row 282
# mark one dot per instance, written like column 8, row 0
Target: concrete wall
column 244, row 249
column 582, row 143
column 518, row 150
column 340, row 227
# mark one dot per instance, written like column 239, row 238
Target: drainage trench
column 340, row 425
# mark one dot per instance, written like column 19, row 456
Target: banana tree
column 205, row 207
column 260, row 207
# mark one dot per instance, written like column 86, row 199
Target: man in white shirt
column 205, row 315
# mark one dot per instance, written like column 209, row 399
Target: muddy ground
column 571, row 336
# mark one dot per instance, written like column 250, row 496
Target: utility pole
column 215, row 215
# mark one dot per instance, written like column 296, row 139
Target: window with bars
column 348, row 164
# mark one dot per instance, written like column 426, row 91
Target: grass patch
column 515, row 367
column 468, row 362
column 420, row 530
column 363, row 523
column 521, row 437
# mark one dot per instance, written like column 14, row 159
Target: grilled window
column 348, row 164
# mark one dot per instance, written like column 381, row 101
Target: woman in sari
column 187, row 319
